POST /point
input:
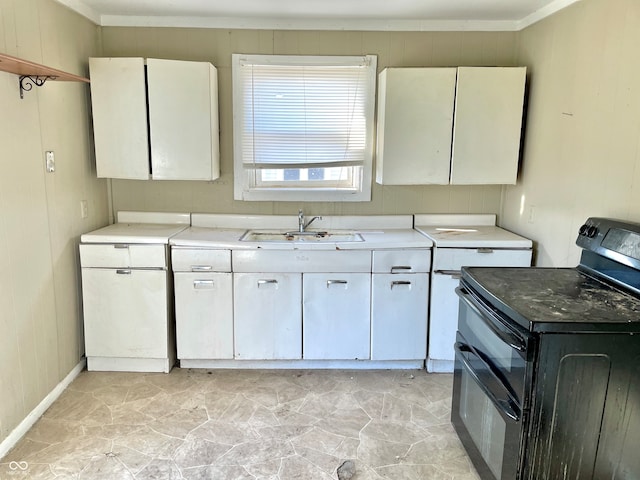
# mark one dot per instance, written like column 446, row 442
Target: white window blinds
column 303, row 112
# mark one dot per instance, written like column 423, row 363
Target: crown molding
column 80, row 7
column 307, row 23
column 544, row 12
column 280, row 23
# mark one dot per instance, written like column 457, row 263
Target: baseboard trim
column 23, row 427
column 439, row 366
column 306, row 364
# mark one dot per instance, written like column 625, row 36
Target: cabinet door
column 125, row 313
column 487, row 125
column 443, row 318
column 183, row 120
column 336, row 316
column 204, row 315
column 267, row 316
column 399, row 316
column 119, row 105
column 415, row 118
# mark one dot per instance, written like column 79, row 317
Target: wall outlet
column 532, row 214
column 84, row 209
column 50, row 161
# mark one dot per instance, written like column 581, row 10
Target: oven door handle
column 508, row 338
column 506, row 405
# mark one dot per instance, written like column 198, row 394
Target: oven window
column 475, row 330
column 492, row 346
column 483, row 421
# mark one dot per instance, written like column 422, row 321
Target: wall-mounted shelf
column 34, row 74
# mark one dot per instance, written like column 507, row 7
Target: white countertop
column 468, row 231
column 474, row 236
column 225, row 231
column 230, row 238
column 152, row 233
column 140, row 227
column 377, row 231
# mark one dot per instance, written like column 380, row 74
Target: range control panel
column 611, row 238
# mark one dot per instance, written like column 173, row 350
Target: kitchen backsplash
column 217, row 197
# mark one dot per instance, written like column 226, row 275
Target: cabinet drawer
column 200, row 260
column 115, row 255
column 456, row 258
column 307, row 261
column 402, row 261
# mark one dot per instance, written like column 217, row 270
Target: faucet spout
column 310, row 222
column 301, row 223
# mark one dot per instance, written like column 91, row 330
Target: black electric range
column 547, row 376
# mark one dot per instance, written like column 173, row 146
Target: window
column 303, row 127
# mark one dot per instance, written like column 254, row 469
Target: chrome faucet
column 303, row 226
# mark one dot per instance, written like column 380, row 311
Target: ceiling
column 407, row 15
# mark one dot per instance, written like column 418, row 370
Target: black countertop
column 555, row 299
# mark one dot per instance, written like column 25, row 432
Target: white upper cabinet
column 118, row 101
column 183, row 119
column 170, row 107
column 487, row 125
column 458, row 126
column 415, row 119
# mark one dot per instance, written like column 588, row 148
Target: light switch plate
column 84, row 209
column 51, row 161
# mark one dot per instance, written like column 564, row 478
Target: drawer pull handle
column 400, row 284
column 123, row 272
column 201, row 268
column 201, row 284
column 262, row 283
column 404, row 268
column 336, row 282
column 454, row 274
column 485, row 250
column 120, row 245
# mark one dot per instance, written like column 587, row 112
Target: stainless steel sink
column 310, row 236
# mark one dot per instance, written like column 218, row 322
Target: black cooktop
column 555, row 299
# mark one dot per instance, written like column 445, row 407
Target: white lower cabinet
column 125, row 313
column 234, row 305
column 128, row 322
column 444, row 317
column 203, row 288
column 204, row 315
column 336, row 316
column 445, row 278
column 399, row 316
column 267, row 316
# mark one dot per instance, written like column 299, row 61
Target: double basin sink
column 308, row 236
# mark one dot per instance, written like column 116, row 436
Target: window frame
column 245, row 185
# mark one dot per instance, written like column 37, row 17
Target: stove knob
column 592, row 231
column 583, row 230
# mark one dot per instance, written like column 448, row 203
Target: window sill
column 303, row 195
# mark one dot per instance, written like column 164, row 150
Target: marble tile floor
column 245, row 424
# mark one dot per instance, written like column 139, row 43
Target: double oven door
column 490, row 405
